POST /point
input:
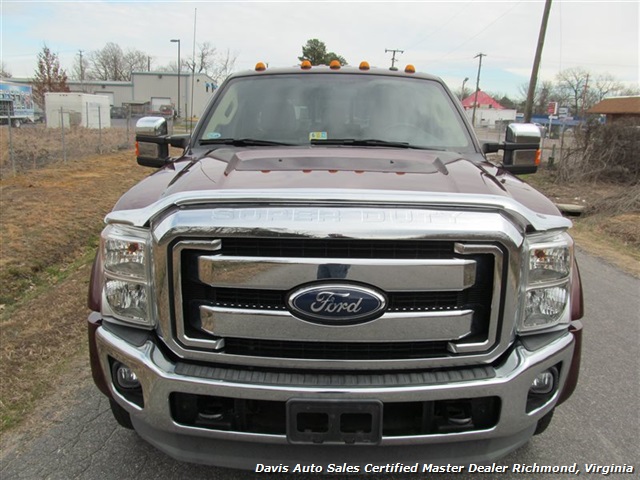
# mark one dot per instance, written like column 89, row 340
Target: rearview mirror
column 152, row 148
column 152, row 142
column 521, row 148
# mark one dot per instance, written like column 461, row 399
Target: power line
column 433, row 32
column 481, row 31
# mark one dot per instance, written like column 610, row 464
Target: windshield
column 332, row 108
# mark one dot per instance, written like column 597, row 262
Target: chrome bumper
column 156, row 372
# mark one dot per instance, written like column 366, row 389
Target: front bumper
column 157, row 374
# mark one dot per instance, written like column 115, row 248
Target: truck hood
column 354, row 168
column 314, row 169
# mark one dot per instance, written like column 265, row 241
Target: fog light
column 543, row 383
column 125, row 378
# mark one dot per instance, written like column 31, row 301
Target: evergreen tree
column 316, row 52
column 49, row 76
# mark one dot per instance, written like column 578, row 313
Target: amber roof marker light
column 260, row 67
column 305, row 65
column 409, row 69
column 364, row 65
column 335, row 65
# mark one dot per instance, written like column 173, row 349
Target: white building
column 145, row 86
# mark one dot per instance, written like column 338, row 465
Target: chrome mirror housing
column 152, row 148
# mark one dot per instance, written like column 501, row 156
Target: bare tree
column 606, row 85
column 209, row 61
column 629, row 92
column 223, row 67
column 106, row 64
column 4, row 71
column 112, row 63
column 136, row 61
column 544, row 93
column 205, row 57
column 572, row 87
column 49, row 76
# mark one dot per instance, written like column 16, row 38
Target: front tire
column 543, row 423
column 120, row 414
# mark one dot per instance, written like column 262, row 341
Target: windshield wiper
column 369, row 142
column 243, row 142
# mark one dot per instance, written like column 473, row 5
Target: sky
column 438, row 37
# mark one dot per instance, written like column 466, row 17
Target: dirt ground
column 50, row 222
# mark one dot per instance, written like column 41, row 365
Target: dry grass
column 35, row 146
column 611, row 208
column 51, row 215
column 50, row 221
column 610, row 225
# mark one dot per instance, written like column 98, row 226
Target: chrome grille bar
column 286, row 273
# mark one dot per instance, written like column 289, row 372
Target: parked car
column 118, row 112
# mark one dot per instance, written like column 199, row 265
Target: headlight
column 549, row 262
column 127, row 279
column 548, row 276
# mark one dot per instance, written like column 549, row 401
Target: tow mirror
column 152, row 147
column 153, row 141
column 521, row 148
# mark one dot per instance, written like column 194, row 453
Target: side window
column 221, row 123
column 439, row 119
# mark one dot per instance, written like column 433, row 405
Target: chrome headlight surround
column 126, row 286
column 547, row 273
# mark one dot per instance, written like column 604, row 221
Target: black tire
column 120, row 414
column 543, row 423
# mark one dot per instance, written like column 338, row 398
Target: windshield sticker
column 317, row 135
column 212, row 135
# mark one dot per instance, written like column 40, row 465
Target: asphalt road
column 600, row 424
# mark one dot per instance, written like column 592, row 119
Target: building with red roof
column 483, row 101
column 489, row 113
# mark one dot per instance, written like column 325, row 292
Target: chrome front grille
column 223, row 288
column 234, row 297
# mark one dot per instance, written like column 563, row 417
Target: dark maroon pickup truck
column 333, row 273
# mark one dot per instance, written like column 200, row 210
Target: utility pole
column 393, row 58
column 528, row 109
column 177, row 40
column 80, row 52
column 475, row 98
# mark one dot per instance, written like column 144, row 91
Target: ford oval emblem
column 336, row 304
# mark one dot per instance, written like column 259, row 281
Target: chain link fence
column 67, row 138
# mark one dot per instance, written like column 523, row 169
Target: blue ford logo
column 336, row 304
